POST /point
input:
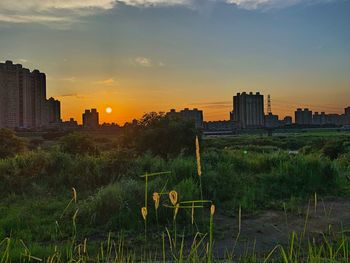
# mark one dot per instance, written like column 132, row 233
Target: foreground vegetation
column 103, row 221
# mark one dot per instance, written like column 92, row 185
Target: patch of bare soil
column 263, row 232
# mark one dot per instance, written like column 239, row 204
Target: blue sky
column 138, row 56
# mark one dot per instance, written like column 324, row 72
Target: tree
column 10, row 144
column 161, row 135
column 77, row 143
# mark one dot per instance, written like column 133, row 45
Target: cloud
column 143, row 62
column 71, row 95
column 149, row 3
column 70, row 79
column 269, row 4
column 107, row 82
column 22, row 60
column 50, row 11
column 67, row 11
column 214, row 105
column 49, row 5
column 55, row 12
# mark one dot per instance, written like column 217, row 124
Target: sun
column 109, row 110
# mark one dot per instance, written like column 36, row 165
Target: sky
column 137, row 56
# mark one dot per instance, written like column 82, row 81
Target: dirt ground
column 263, row 232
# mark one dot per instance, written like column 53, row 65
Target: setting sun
column 109, row 110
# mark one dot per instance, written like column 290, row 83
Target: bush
column 302, row 176
column 10, row 144
column 114, row 205
column 77, row 143
column 333, row 149
column 19, row 173
column 161, row 135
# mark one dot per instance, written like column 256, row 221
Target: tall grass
column 235, row 179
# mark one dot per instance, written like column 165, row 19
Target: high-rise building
column 248, row 110
column 319, row 118
column 54, row 110
column 90, row 119
column 23, row 101
column 303, row 117
column 194, row 115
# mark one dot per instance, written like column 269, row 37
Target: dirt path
column 270, row 228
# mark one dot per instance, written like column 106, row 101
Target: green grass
column 251, row 173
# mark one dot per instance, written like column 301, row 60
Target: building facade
column 23, row 101
column 319, row 118
column 91, row 119
column 218, row 126
column 347, row 112
column 194, row 115
column 272, row 121
column 248, row 110
column 54, row 110
column 303, row 116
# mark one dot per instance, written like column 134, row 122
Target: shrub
column 77, row 143
column 188, row 190
column 10, row 144
column 300, row 177
column 114, row 205
column 333, row 149
column 161, row 135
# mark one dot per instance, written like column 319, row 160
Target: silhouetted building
column 319, row 118
column 303, row 117
column 90, row 119
column 271, row 121
column 287, row 120
column 23, row 101
column 347, row 112
column 218, row 126
column 248, row 110
column 54, row 110
column 194, row 115
column 335, row 119
column 70, row 125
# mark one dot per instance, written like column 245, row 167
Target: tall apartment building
column 319, row 118
column 54, row 110
column 23, row 101
column 303, row 117
column 248, row 110
column 91, row 119
column 194, row 115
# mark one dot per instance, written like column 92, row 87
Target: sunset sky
column 137, row 56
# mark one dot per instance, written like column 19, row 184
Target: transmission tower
column 269, row 104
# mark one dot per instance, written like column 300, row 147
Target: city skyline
column 24, row 105
column 140, row 56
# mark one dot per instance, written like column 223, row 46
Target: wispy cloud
column 269, row 4
column 73, row 95
column 107, row 82
column 50, row 11
column 70, row 79
column 143, row 62
column 213, row 105
column 53, row 12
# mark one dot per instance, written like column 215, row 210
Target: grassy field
column 60, row 206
